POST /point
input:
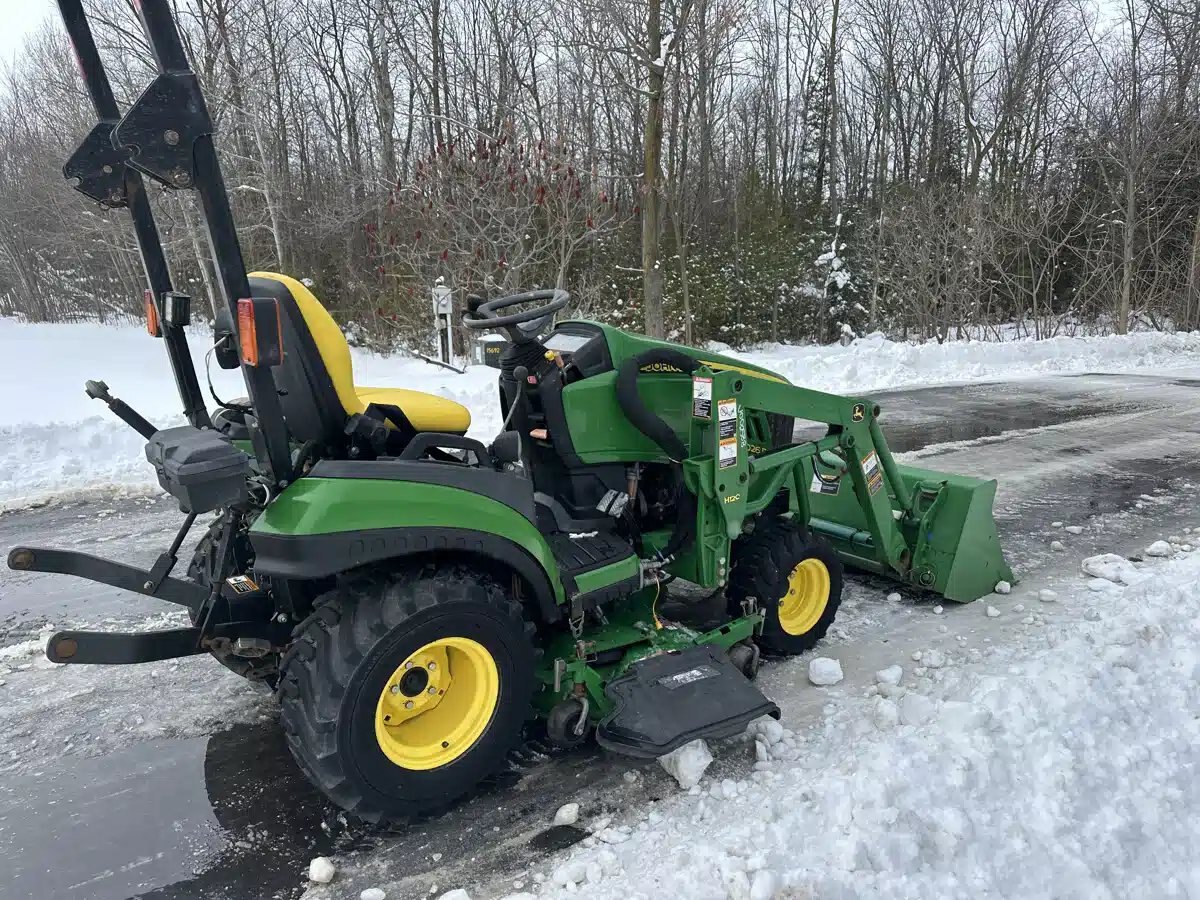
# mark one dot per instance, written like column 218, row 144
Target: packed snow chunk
column 568, row 814
column 1159, row 549
column 1111, row 567
column 321, row 870
column 1003, row 587
column 938, row 610
column 1058, row 546
column 1047, row 596
column 933, row 659
column 768, row 729
column 456, row 894
column 570, row 873
column 373, row 894
column 893, row 597
column 765, row 885
column 687, row 764
column 885, row 714
column 824, row 671
column 890, row 675
column 1074, row 529
column 1101, row 584
column 992, row 612
column 915, row 709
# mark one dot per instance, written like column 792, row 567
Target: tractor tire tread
column 329, row 645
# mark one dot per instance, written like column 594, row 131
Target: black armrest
column 426, row 441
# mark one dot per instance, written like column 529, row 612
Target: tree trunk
column 652, row 275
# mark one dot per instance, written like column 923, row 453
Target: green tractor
column 420, row 600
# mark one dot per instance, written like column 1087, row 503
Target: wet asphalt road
column 155, row 813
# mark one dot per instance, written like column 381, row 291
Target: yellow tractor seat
column 426, row 412
column 316, row 378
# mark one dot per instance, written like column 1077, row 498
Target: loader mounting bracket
column 161, row 128
column 99, row 168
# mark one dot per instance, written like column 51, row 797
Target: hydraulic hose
column 645, row 420
column 636, row 411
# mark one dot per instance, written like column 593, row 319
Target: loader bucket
column 952, row 545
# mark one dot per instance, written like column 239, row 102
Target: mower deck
column 663, row 702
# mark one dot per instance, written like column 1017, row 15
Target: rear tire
column 796, row 580
column 349, row 681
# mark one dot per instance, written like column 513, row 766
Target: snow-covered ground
column 1059, row 762
column 55, row 442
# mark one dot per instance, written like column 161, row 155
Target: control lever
column 98, row 390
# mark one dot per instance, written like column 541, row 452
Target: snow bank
column 874, row 363
column 55, row 442
column 1062, row 768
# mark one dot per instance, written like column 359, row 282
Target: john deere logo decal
column 858, row 413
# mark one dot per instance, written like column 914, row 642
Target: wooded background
column 733, row 170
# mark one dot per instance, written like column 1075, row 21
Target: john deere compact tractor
column 419, row 599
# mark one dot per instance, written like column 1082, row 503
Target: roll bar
column 167, row 135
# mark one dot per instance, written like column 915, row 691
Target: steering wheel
column 522, row 326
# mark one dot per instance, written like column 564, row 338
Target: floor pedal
column 665, row 701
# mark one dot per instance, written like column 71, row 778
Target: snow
column 1112, row 568
column 1003, row 587
column 55, row 442
column 1007, row 775
column 321, row 870
column 992, row 612
column 688, row 763
column 823, row 671
column 373, row 894
column 568, row 814
column 890, row 675
column 1159, row 548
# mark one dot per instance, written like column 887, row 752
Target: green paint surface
column 329, row 505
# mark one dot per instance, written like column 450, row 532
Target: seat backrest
column 316, row 377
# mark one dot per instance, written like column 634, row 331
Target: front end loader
column 420, row 601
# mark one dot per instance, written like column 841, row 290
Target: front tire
column 796, row 580
column 405, row 690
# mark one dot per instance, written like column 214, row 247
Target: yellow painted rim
column 437, row 703
column 801, row 608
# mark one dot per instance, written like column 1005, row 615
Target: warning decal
column 727, row 450
column 823, row 484
column 702, row 398
column 874, row 477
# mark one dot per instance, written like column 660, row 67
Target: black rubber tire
column 264, row 669
column 345, row 652
column 762, row 562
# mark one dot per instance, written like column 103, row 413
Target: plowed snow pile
column 56, row 442
column 1063, row 766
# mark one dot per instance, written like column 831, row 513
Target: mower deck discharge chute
column 420, row 600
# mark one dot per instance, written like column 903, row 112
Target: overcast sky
column 20, row 17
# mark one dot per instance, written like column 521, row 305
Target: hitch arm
column 114, row 648
column 106, row 571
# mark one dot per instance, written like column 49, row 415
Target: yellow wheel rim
column 437, row 703
column 807, row 596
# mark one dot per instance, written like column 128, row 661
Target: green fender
column 324, row 526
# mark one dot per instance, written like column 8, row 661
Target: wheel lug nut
column 408, row 705
column 432, row 690
column 395, row 688
column 408, row 665
column 432, row 666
